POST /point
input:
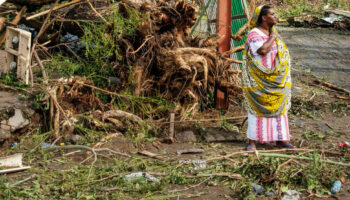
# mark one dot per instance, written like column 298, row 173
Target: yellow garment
column 267, row 91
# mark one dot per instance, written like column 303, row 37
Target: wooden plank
column 172, row 126
column 13, row 52
column 20, row 54
column 11, row 161
column 55, row 8
column 9, row 58
column 152, row 155
column 23, row 69
column 6, row 171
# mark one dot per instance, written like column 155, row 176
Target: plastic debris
column 270, row 193
column 15, row 41
column 198, row 164
column 13, row 145
column 333, row 18
column 141, row 175
column 336, row 187
column 291, row 195
column 344, row 144
column 257, row 189
column 76, row 46
column 13, row 66
column 29, row 29
column 45, row 145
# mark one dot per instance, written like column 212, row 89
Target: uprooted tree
column 136, row 57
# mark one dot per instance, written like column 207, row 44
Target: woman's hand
column 266, row 47
column 273, row 35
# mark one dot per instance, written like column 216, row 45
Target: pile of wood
column 185, row 68
column 161, row 59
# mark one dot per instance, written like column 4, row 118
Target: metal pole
column 223, row 27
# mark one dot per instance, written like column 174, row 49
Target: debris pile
column 128, row 50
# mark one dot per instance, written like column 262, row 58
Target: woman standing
column 266, row 81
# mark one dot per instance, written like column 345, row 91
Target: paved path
column 326, row 53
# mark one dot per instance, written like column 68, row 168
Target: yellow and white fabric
column 266, row 87
column 267, row 91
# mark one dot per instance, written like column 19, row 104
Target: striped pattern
column 268, row 129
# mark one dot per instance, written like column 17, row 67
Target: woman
column 266, row 81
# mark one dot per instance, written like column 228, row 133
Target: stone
column 221, row 135
column 4, row 135
column 17, row 121
column 76, row 139
column 185, row 136
column 14, row 113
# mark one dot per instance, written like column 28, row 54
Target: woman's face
column 270, row 18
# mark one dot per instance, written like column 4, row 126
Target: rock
column 17, row 121
column 291, row 195
column 220, row 135
column 4, row 135
column 14, row 114
column 76, row 139
column 185, row 136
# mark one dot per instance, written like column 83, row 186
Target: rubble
column 217, row 135
column 14, row 114
column 185, row 136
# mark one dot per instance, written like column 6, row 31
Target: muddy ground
column 318, row 118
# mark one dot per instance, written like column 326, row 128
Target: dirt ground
column 318, row 119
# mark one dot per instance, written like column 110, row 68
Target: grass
column 63, row 177
column 290, row 8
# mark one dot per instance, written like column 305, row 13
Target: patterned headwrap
column 255, row 18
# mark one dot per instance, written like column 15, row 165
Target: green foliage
column 102, row 43
column 63, row 66
column 10, row 79
column 314, row 135
column 102, row 49
column 37, row 102
column 291, row 8
column 227, row 125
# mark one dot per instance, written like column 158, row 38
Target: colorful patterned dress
column 264, row 129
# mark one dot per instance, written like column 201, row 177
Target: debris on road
column 189, row 151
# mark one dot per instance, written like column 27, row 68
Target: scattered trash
column 344, row 144
column 15, row 41
column 257, row 189
column 76, row 139
column 291, row 195
column 74, row 43
column 333, row 18
column 13, row 162
column 29, row 29
column 270, row 193
column 13, row 145
column 185, row 151
column 46, row 145
column 336, row 187
column 142, row 175
column 198, row 164
column 13, row 66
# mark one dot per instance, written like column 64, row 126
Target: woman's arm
column 266, row 47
